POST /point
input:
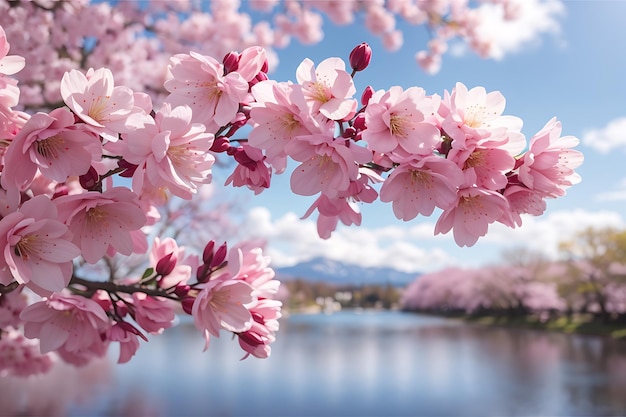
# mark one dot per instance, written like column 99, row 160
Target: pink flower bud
column 207, row 254
column 251, row 338
column 220, row 144
column 187, row 304
column 203, row 274
column 231, row 62
column 359, row 122
column 349, row 133
column 166, row 264
column 129, row 169
column 243, row 159
column 220, row 256
column 360, row 57
column 89, row 180
column 182, row 290
column 367, row 94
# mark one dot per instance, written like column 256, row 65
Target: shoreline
column 584, row 325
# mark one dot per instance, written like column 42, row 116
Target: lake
column 367, row 364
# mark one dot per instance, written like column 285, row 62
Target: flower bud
column 182, row 290
column 166, row 264
column 129, row 169
column 203, row 273
column 359, row 122
column 243, row 159
column 220, row 144
column 231, row 62
column 360, row 57
column 251, row 338
column 207, row 254
column 348, row 133
column 367, row 94
column 220, row 256
column 187, row 304
column 90, row 179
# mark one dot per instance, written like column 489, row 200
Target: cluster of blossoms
column 63, row 211
column 457, row 153
column 136, row 39
column 63, row 204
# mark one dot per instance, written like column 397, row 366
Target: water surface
column 372, row 364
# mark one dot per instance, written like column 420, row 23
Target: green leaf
column 149, row 272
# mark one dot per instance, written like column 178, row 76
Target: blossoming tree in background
column 136, row 39
column 84, row 182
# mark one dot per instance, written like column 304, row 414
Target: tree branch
column 93, row 286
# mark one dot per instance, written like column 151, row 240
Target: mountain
column 339, row 273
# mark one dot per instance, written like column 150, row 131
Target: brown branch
column 4, row 289
column 111, row 287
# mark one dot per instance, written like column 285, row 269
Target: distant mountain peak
column 340, row 273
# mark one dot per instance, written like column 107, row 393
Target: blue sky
column 574, row 71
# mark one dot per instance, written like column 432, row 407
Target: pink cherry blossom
column 490, row 165
column 221, row 304
column 36, row 247
column 94, row 98
column 199, row 82
column 328, row 165
column 331, row 211
column 251, row 171
column 279, row 115
column 255, row 270
column 475, row 209
column 251, row 61
column 170, row 152
column 428, row 61
column 104, row 223
column 128, row 337
column 256, row 340
column 397, row 119
column 9, row 64
column 418, row 186
column 345, row 206
column 523, row 200
column 10, row 120
column 52, row 144
column 153, row 314
column 69, row 322
column 328, row 88
column 548, row 166
column 474, row 117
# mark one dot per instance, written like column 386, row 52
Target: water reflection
column 374, row 364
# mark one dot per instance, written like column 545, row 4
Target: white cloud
column 411, row 247
column 604, row 140
column 534, row 19
column 545, row 233
column 618, row 193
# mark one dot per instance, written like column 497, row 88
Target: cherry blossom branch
column 62, row 213
column 89, row 288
